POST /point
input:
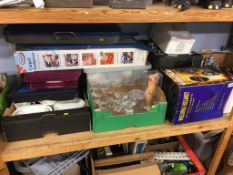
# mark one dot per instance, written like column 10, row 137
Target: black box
column 63, row 34
column 31, row 126
column 177, row 61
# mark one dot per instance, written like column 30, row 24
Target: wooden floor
column 103, row 14
column 54, row 144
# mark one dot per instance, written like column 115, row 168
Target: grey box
column 100, row 2
column 135, row 4
column 106, row 2
column 69, row 3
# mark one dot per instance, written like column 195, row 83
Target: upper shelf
column 54, row 144
column 103, row 14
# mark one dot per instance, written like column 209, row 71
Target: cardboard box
column 141, row 164
column 223, row 60
column 103, row 121
column 172, row 38
column 42, row 59
column 122, row 81
column 193, row 96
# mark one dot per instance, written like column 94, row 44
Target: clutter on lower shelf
column 204, row 144
column 176, row 157
column 125, row 165
column 169, row 156
column 121, row 98
column 65, row 164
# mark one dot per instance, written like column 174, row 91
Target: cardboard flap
column 142, row 169
column 123, row 159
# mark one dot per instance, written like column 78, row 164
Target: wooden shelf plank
column 86, row 140
column 102, row 14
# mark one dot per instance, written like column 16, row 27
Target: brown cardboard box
column 222, row 59
column 136, row 164
column 73, row 170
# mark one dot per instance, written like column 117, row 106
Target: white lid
column 116, row 69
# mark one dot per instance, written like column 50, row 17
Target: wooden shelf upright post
column 3, row 168
column 226, row 135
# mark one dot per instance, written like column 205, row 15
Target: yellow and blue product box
column 195, row 94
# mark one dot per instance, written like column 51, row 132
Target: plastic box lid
column 116, row 69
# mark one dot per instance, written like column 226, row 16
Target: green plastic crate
column 3, row 94
column 103, row 121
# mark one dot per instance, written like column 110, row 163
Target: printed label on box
column 230, row 85
column 201, row 102
column 44, row 60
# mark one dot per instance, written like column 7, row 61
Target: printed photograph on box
column 71, row 59
column 106, row 58
column 195, row 76
column 89, row 59
column 51, row 60
column 127, row 57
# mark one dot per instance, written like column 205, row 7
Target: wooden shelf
column 103, row 14
column 54, row 144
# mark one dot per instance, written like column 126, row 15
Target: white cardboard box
column 172, row 38
column 45, row 60
column 229, row 104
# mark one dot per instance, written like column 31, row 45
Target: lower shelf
column 54, row 144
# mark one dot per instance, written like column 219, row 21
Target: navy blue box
column 195, row 94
